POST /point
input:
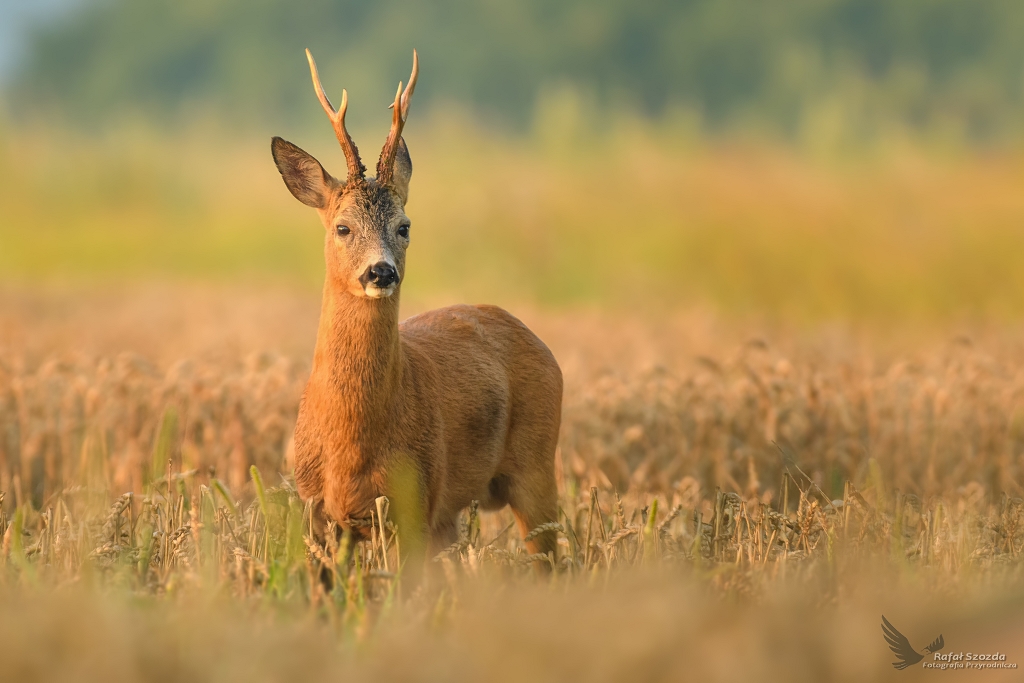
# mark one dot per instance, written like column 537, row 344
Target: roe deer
column 466, row 398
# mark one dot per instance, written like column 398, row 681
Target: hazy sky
column 16, row 18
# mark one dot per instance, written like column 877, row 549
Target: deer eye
column 403, row 231
column 342, row 230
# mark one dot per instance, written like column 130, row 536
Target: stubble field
column 737, row 499
column 794, row 402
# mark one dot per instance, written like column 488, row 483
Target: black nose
column 382, row 274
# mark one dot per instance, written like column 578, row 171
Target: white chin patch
column 375, row 292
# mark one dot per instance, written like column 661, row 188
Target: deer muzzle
column 380, row 280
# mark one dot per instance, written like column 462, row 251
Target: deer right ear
column 305, row 177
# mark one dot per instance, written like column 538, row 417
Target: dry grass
column 738, row 499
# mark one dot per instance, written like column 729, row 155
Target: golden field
column 725, row 424
column 793, row 402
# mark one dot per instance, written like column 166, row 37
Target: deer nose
column 382, row 274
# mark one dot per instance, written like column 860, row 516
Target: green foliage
column 164, row 447
column 857, row 65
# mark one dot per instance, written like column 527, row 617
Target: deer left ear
column 402, row 173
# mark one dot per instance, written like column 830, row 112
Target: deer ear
column 305, row 177
column 402, row 173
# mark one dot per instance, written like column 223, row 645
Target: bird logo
column 899, row 644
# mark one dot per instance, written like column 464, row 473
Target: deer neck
column 350, row 402
column 357, row 364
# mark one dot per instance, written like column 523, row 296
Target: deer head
column 367, row 231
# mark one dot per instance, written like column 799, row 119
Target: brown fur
column 467, row 396
column 467, row 393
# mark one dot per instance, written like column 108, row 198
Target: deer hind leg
column 532, row 493
column 535, row 502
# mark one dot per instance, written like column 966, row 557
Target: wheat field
column 794, row 402
column 738, row 499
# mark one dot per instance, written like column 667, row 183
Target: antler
column 386, row 163
column 355, row 164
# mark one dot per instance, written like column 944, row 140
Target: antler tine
column 409, row 89
column 356, row 170
column 399, row 115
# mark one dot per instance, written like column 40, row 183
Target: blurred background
column 813, row 159
column 762, row 239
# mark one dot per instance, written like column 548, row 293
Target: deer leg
column 443, row 535
column 530, row 466
column 318, row 522
column 535, row 502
